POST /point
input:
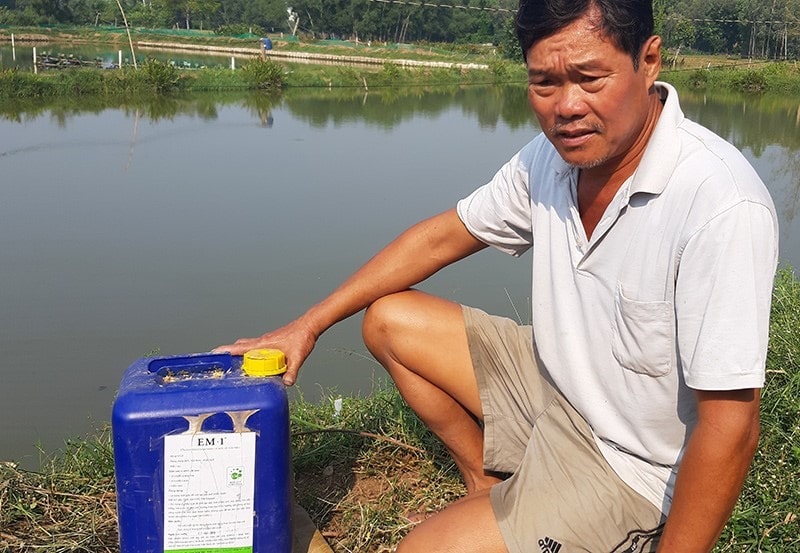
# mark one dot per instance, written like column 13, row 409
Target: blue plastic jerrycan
column 202, row 455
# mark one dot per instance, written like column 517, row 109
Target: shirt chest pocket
column 643, row 335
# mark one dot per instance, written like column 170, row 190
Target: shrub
column 391, row 72
column 508, row 44
column 160, row 76
column 263, row 74
column 237, row 29
column 698, row 78
column 14, row 83
column 750, row 81
column 82, row 82
column 501, row 71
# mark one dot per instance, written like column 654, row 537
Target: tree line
column 465, row 21
column 750, row 28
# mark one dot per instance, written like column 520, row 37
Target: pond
column 175, row 225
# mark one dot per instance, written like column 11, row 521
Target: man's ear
column 650, row 60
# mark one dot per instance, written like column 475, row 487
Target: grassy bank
column 156, row 77
column 777, row 77
column 161, row 77
column 449, row 52
column 366, row 474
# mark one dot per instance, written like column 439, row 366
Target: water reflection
column 765, row 127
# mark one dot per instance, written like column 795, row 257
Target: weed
column 161, row 76
column 263, row 74
column 391, row 73
column 16, row 84
column 501, row 71
column 750, row 81
column 699, row 78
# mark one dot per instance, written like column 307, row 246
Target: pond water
column 172, row 226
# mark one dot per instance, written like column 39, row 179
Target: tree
column 43, row 11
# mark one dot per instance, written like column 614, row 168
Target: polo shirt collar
column 662, row 151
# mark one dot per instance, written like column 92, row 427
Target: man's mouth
column 573, row 136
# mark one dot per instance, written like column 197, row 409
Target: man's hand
column 295, row 340
column 713, row 470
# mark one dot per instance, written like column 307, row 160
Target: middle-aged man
column 626, row 418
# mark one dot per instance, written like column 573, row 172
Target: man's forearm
column 712, row 471
column 412, row 257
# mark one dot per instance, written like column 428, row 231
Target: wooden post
column 13, row 48
column 35, row 69
column 128, row 29
column 233, row 63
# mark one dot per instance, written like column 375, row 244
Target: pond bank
column 354, row 64
column 308, row 57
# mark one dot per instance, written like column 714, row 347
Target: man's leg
column 466, row 526
column 422, row 342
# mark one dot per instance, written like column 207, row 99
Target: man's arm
column 713, row 470
column 411, row 258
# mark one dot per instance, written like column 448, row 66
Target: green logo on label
column 235, row 475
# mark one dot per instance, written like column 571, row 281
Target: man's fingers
column 290, row 376
column 241, row 346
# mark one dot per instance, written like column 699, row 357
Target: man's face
column 588, row 99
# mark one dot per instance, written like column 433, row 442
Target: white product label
column 209, row 480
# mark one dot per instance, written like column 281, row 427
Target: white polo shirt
column 671, row 293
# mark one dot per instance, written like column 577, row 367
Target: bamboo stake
column 128, row 29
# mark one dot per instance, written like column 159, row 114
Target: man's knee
column 387, row 318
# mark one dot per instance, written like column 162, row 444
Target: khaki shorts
column 561, row 496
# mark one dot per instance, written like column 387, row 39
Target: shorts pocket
column 644, row 335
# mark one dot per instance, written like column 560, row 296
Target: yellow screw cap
column 264, row 362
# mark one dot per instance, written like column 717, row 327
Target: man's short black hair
column 627, row 23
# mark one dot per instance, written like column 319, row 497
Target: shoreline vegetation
column 333, row 64
column 368, row 473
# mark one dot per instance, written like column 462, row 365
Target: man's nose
column 570, row 102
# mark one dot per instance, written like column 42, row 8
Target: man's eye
column 591, row 82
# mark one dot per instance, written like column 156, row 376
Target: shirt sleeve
column 499, row 212
column 723, row 297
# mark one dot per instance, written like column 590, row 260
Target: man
column 627, row 417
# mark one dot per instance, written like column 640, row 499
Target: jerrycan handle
column 190, row 365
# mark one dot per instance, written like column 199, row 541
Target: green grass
column 777, row 77
column 361, row 474
column 68, row 506
column 766, row 518
column 159, row 78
